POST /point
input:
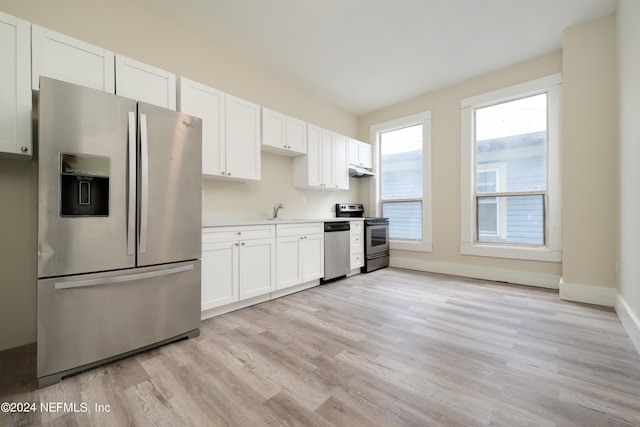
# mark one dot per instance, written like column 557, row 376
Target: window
column 401, row 181
column 403, row 185
column 510, row 177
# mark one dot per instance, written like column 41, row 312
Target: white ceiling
column 363, row 55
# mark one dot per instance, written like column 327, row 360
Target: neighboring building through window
column 401, row 181
column 514, row 134
column 403, row 184
column 510, row 172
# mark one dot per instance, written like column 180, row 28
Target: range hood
column 358, row 172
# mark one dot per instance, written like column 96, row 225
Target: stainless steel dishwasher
column 337, row 244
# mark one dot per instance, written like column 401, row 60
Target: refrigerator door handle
column 131, row 214
column 121, row 279
column 144, row 183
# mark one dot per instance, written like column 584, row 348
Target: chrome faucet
column 276, row 208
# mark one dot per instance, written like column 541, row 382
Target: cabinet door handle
column 242, row 243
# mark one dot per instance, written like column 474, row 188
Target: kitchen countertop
column 229, row 222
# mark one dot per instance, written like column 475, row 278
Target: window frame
column 551, row 251
column 424, row 118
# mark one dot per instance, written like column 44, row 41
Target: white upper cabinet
column 64, row 58
column 282, row 134
column 145, row 83
column 230, row 131
column 360, row 154
column 207, row 103
column 339, row 165
column 325, row 165
column 15, row 87
column 242, row 128
column 306, row 169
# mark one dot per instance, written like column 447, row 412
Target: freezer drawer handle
column 121, row 279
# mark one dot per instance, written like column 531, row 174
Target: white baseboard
column 294, row 289
column 589, row 294
column 629, row 320
column 541, row 280
column 216, row 311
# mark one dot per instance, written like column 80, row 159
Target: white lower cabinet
column 289, row 265
column 357, row 244
column 248, row 264
column 237, row 263
column 300, row 253
column 256, row 266
column 219, row 274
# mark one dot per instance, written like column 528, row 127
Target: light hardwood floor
column 389, row 348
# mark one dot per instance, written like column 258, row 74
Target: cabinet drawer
column 226, row 234
column 357, row 260
column 357, row 227
column 299, row 229
column 356, row 240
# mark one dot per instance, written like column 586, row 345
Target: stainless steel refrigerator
column 119, row 227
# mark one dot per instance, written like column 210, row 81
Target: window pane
column 405, row 219
column 511, row 219
column 401, row 163
column 487, row 181
column 512, row 136
column 488, row 216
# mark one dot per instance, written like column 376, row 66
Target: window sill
column 416, row 246
column 512, row 252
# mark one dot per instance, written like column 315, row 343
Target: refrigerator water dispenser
column 84, row 185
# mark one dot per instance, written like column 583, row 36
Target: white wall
column 444, row 105
column 125, row 27
column 18, row 252
column 628, row 32
column 589, row 169
column 589, row 162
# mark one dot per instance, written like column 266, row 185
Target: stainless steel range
column 376, row 236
